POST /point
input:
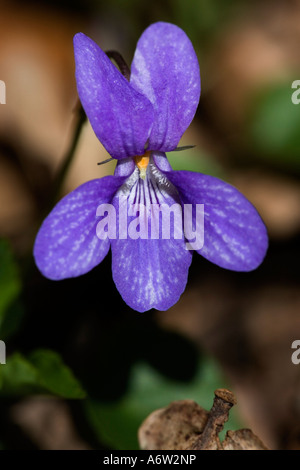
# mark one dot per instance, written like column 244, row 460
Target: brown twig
column 218, row 415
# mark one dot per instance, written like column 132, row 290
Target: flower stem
column 119, row 60
column 81, row 118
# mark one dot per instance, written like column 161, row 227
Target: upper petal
column 120, row 116
column 165, row 69
column 235, row 236
column 66, row 244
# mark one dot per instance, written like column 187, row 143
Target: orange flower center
column 142, row 161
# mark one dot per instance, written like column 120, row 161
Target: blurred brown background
column 246, row 131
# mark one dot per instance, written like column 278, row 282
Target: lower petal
column 66, row 244
column 235, row 236
column 150, row 273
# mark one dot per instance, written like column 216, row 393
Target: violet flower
column 137, row 121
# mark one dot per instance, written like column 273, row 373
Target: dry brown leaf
column 175, row 427
column 184, row 425
column 243, row 439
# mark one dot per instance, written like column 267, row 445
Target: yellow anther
column 142, row 162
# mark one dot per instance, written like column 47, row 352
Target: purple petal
column 161, row 161
column 148, row 272
column 120, row 116
column 165, row 69
column 235, row 236
column 124, row 167
column 66, row 244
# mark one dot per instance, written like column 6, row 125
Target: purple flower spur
column 137, row 121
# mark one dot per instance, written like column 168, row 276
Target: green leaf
column 275, row 126
column 43, row 372
column 10, row 288
column 55, row 375
column 117, row 424
column 18, row 377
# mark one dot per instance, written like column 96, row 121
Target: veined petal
column 235, row 236
column 66, row 244
column 165, row 69
column 120, row 116
column 149, row 271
